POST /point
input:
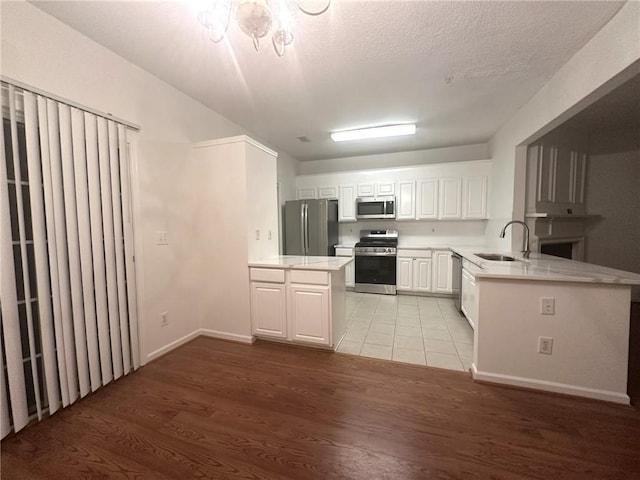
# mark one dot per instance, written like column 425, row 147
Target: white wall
column 288, row 169
column 613, row 187
column 590, row 331
column 262, row 203
column 478, row 151
column 41, row 51
column 581, row 81
column 420, row 233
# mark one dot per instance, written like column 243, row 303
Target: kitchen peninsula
column 299, row 299
column 548, row 323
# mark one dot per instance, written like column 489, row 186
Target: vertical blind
column 67, row 284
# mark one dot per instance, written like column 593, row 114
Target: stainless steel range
column 376, row 261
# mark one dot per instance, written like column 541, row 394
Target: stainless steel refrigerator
column 311, row 227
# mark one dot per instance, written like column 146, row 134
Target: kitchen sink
column 495, row 257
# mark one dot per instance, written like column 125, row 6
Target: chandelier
column 257, row 18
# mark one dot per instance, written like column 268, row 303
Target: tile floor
column 421, row 330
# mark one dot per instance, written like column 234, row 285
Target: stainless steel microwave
column 372, row 208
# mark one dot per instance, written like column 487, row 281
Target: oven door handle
column 382, row 254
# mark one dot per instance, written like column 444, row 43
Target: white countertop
column 302, row 263
column 543, row 267
column 438, row 246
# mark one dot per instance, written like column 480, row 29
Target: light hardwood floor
column 215, row 409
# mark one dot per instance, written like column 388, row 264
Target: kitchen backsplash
column 437, row 233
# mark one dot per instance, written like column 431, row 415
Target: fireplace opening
column 564, row 250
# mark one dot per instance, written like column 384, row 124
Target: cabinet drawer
column 414, row 253
column 344, row 252
column 310, row 277
column 273, row 275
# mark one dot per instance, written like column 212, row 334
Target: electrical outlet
column 164, row 319
column 162, row 238
column 545, row 345
column 269, row 236
column 257, row 234
column 547, row 305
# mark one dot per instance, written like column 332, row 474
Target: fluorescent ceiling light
column 375, row 132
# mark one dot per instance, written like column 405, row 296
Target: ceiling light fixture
column 375, row 132
column 256, row 18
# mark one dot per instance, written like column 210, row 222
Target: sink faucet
column 525, row 247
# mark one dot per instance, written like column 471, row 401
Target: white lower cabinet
column 413, row 273
column 303, row 306
column 442, row 271
column 269, row 309
column 350, row 269
column 469, row 294
column 422, row 275
column 425, row 271
column 350, row 275
column 404, row 273
column 309, row 314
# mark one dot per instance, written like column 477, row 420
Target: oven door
column 375, row 273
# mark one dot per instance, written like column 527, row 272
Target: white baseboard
column 234, row 337
column 606, row 395
column 196, row 333
column 175, row 344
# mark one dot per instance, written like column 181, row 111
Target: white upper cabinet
column 450, row 198
column 406, row 201
column 445, row 191
column 427, row 199
column 347, row 203
column 386, row 189
column 556, row 177
column 328, row 192
column 563, row 180
column 366, row 190
column 578, row 176
column 306, row 193
column 474, row 197
column 381, row 189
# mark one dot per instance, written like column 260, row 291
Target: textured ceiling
column 457, row 69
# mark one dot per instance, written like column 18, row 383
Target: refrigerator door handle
column 306, row 229
column 302, row 228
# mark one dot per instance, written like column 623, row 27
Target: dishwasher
column 456, row 280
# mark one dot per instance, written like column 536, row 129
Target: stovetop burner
column 377, row 243
column 378, row 238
